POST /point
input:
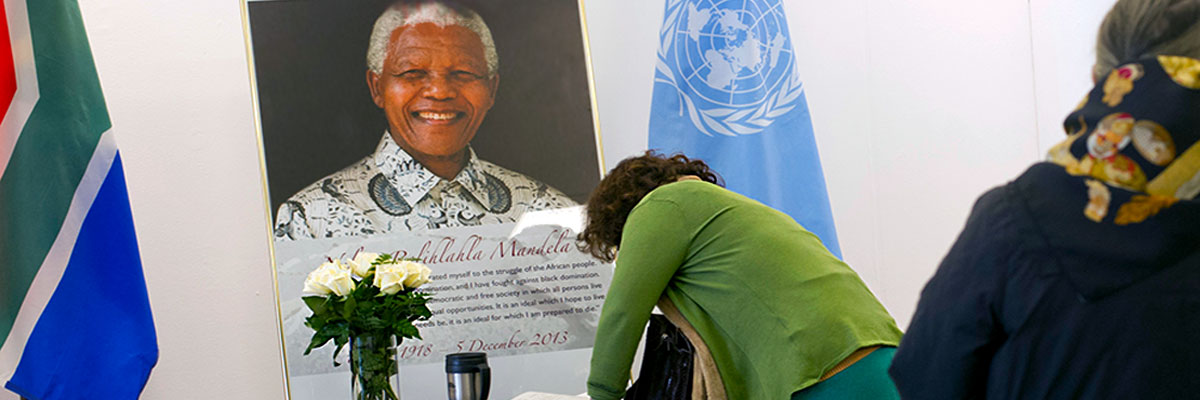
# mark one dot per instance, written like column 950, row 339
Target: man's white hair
column 435, row 12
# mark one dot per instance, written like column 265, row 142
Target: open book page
column 547, row 396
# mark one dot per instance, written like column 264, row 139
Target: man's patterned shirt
column 389, row 191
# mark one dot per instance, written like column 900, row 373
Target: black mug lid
column 466, row 362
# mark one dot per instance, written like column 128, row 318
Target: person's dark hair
column 626, row 185
column 1135, row 29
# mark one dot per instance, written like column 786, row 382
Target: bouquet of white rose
column 370, row 296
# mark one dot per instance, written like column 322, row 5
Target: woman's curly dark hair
column 626, row 185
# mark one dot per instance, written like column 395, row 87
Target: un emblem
column 730, row 63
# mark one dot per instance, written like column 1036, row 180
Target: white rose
column 418, row 274
column 330, row 277
column 361, row 264
column 389, row 278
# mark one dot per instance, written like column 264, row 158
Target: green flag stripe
column 52, row 151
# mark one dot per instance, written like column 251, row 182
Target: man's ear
column 494, row 85
column 376, row 91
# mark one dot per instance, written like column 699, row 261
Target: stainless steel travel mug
column 468, row 376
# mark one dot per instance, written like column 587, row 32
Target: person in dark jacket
column 1081, row 278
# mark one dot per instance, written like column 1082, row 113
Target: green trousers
column 866, row 379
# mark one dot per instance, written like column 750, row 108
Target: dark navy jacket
column 1034, row 301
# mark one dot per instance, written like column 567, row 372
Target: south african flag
column 74, row 315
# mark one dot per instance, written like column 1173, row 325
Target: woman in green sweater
column 782, row 317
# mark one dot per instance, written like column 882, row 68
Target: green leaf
column 368, row 305
column 404, row 328
column 366, row 291
column 340, row 341
column 423, row 312
column 318, row 340
column 348, row 307
column 373, row 323
column 316, row 303
column 316, row 322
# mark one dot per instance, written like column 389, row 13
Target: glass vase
column 374, row 372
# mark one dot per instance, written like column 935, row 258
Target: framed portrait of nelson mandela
column 459, row 133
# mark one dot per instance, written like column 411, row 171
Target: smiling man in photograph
column 433, row 70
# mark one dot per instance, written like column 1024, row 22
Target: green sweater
column 776, row 309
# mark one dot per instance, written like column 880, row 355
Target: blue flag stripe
column 49, row 272
column 96, row 335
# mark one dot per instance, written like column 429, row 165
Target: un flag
column 726, row 91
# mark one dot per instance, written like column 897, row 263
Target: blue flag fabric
column 95, row 338
column 726, row 91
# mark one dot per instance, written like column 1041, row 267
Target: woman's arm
column 653, row 246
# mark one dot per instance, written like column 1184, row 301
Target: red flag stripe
column 8, row 74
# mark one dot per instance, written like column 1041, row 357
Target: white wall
column 177, row 83
column 915, row 116
column 918, row 107
column 1064, row 49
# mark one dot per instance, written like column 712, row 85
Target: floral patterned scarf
column 1137, row 130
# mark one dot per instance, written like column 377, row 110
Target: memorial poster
column 477, row 169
